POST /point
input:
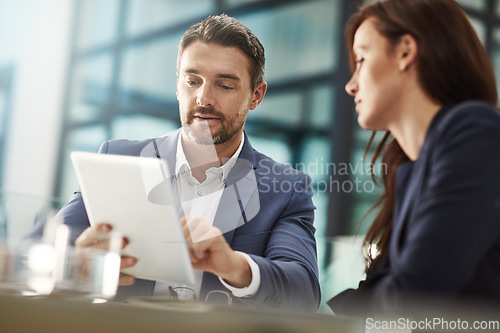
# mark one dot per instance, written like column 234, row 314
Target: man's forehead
column 214, row 59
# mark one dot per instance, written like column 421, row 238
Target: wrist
column 241, row 276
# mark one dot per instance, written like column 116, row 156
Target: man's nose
column 205, row 96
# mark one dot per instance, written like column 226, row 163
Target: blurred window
column 122, row 84
column 5, row 94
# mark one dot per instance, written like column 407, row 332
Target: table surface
column 51, row 314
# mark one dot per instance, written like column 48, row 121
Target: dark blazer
column 445, row 241
column 271, row 220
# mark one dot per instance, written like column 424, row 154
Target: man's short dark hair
column 228, row 31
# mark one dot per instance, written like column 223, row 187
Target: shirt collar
column 181, row 162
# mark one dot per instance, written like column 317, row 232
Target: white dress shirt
column 202, row 200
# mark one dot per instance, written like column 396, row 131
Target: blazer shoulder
column 266, row 166
column 478, row 114
column 472, row 120
column 124, row 146
column 129, row 147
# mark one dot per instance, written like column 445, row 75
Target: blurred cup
column 51, row 266
column 26, row 265
column 88, row 271
column 28, row 269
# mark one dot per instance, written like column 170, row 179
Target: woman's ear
column 407, row 51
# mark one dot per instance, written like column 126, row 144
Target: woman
column 422, row 75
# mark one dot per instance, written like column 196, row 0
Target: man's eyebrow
column 219, row 76
column 228, row 76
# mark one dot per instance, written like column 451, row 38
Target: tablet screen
column 134, row 195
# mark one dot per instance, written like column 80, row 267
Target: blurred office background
column 74, row 73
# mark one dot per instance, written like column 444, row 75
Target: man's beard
column 201, row 132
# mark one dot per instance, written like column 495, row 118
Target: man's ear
column 258, row 94
column 406, row 51
column 176, row 85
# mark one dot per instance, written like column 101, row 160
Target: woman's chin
column 370, row 126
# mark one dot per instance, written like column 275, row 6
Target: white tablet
column 134, row 195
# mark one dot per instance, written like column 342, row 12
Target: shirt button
column 199, row 193
column 183, row 171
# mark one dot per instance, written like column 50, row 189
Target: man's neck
column 203, row 157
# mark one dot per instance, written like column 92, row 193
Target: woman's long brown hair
column 452, row 67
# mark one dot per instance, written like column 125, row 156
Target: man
column 255, row 240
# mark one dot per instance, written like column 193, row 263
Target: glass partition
column 20, row 212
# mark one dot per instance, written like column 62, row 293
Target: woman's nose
column 351, row 86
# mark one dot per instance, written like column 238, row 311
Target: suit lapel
column 166, row 148
column 409, row 186
column 240, row 200
column 239, row 203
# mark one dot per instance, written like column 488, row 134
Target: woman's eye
column 360, row 61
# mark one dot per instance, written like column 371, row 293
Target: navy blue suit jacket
column 279, row 236
column 445, row 241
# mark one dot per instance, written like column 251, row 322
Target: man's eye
column 225, row 87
